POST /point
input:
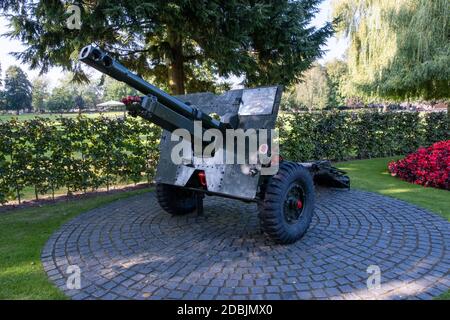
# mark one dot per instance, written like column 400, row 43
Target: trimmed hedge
column 341, row 136
column 81, row 154
column 78, row 154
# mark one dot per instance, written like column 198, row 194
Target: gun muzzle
column 104, row 63
column 95, row 58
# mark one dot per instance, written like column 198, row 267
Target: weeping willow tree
column 398, row 49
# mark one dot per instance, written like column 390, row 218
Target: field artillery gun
column 283, row 190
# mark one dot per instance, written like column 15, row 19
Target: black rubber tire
column 175, row 200
column 272, row 206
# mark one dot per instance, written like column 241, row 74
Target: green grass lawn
column 444, row 296
column 23, row 234
column 372, row 175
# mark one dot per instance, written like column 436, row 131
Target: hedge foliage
column 81, row 154
column 78, row 154
column 361, row 135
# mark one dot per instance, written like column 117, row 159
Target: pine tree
column 17, row 92
column 268, row 41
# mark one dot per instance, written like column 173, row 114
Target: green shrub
column 347, row 135
column 82, row 154
column 78, row 154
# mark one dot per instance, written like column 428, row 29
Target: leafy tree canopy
column 61, row 99
column 69, row 95
column 115, row 90
column 313, row 92
column 337, row 75
column 40, row 93
column 268, row 41
column 398, row 49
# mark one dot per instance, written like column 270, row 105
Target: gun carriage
column 283, row 190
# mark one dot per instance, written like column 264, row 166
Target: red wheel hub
column 299, row 204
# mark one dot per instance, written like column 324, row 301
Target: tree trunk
column 175, row 63
column 18, row 193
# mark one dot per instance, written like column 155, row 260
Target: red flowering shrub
column 429, row 167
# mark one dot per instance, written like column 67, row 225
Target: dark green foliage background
column 83, row 154
column 79, row 154
column 358, row 135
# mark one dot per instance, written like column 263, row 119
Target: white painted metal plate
column 258, row 101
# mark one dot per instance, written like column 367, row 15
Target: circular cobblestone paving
column 132, row 249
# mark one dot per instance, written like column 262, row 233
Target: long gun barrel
column 162, row 109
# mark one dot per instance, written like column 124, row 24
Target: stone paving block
column 131, row 249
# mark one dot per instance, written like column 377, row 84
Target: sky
column 335, row 48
